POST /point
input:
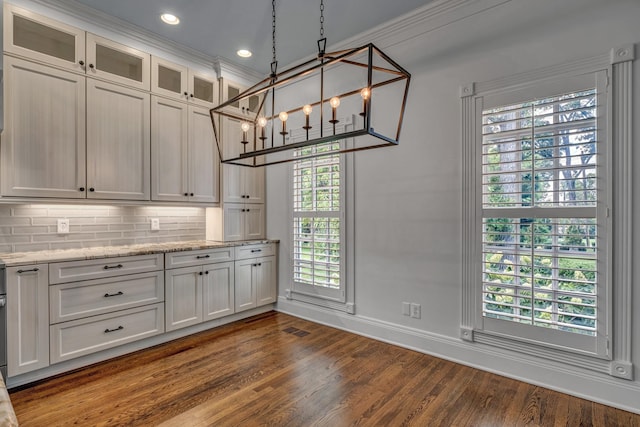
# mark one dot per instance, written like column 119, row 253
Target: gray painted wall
column 408, row 198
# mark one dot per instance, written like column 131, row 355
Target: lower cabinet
column 85, row 336
column 197, row 294
column 27, row 318
column 255, row 282
column 64, row 310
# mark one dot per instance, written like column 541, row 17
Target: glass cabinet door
column 43, row 39
column 169, row 79
column 203, row 89
column 118, row 63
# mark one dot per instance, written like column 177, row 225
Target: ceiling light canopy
column 344, row 101
column 244, row 53
column 170, row 19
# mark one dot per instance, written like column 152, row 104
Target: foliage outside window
column 317, row 223
column 539, row 218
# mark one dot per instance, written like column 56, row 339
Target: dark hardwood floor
column 279, row 370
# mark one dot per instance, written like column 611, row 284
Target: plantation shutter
column 543, row 246
column 317, row 224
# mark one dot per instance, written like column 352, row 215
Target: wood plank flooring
column 278, row 370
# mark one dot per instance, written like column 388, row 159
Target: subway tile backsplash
column 34, row 227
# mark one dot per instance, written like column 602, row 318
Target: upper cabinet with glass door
column 182, row 83
column 232, row 89
column 117, row 63
column 42, row 39
column 39, row 38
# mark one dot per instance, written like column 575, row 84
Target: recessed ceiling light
column 170, row 19
column 244, row 53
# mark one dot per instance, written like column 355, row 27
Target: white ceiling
column 221, row 27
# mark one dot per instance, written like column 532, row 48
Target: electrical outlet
column 63, row 225
column 155, row 224
column 406, row 309
column 415, row 310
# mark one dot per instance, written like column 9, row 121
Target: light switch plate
column 155, row 224
column 63, row 225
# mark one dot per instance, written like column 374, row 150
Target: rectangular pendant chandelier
column 356, row 97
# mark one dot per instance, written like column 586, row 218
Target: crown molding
column 430, row 17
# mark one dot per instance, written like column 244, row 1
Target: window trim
column 346, row 301
column 618, row 63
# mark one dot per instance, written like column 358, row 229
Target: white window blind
column 317, row 223
column 541, row 225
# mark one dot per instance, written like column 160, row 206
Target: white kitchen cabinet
column 117, row 63
column 230, row 89
column 45, row 40
column 185, row 161
column 182, row 83
column 75, row 300
column 42, row 39
column 199, row 293
column 95, row 333
column 235, row 222
column 218, row 296
column 43, row 146
column 27, row 318
column 240, row 184
column 183, row 297
column 255, row 282
column 118, row 142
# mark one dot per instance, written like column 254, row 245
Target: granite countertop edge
column 13, row 259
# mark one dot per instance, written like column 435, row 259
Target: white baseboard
column 594, row 386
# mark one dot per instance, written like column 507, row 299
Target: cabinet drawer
column 74, row 271
column 253, row 251
column 69, row 301
column 191, row 258
column 85, row 336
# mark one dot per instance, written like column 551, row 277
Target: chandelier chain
column 321, row 19
column 273, row 28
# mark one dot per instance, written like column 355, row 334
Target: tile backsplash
column 34, row 227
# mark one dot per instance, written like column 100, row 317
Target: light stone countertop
column 12, row 259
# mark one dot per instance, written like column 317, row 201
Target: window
column 539, row 170
column 542, row 178
column 319, row 228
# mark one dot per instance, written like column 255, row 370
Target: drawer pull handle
column 253, row 251
column 203, row 256
column 119, row 328
column 109, row 267
column 28, row 271
column 114, row 295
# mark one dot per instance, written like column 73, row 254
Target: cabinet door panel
column 218, row 290
column 233, row 176
column 118, row 63
column 118, row 142
column 253, row 221
column 27, row 319
column 233, row 218
column 265, row 280
column 204, row 160
column 43, row 39
column 169, row 150
column 168, row 79
column 203, row 89
column 183, row 290
column 43, row 146
column 245, row 292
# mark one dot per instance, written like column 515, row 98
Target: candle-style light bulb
column 245, row 128
column 283, row 116
column 335, row 103
column 365, row 93
column 307, row 109
column 262, row 122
